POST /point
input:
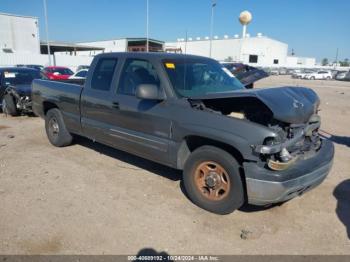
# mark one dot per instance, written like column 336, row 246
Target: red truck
column 57, row 72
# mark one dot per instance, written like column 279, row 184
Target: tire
column 328, row 78
column 312, row 78
column 56, row 130
column 9, row 105
column 229, row 193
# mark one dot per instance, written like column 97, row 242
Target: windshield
column 197, row 77
column 20, row 77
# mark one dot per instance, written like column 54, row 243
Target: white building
column 19, row 34
column 255, row 51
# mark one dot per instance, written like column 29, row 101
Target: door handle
column 115, row 105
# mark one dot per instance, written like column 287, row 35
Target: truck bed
column 61, row 94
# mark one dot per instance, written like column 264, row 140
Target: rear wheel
column 312, row 78
column 9, row 105
column 328, row 78
column 56, row 130
column 212, row 180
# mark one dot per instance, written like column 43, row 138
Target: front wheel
column 56, row 130
column 212, row 180
column 312, row 78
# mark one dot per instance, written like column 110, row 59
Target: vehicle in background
column 334, row 73
column 234, row 145
column 15, row 89
column 81, row 74
column 319, row 75
column 57, row 72
column 274, row 71
column 290, row 72
column 345, row 76
column 82, row 67
column 37, row 67
column 302, row 73
column 246, row 74
column 282, row 71
column 341, row 75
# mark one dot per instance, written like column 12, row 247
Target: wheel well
column 48, row 105
column 191, row 143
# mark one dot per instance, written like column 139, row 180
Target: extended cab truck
column 187, row 112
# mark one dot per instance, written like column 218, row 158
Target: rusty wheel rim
column 212, row 180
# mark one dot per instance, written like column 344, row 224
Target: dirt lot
column 90, row 199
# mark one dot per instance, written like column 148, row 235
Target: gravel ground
column 91, row 199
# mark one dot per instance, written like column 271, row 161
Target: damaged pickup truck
column 234, row 145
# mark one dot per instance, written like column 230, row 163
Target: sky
column 312, row 28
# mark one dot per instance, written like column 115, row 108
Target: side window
column 103, row 74
column 134, row 73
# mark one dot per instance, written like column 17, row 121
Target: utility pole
column 213, row 4
column 336, row 58
column 147, row 26
column 47, row 33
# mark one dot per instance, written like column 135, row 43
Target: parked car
column 334, row 73
column 82, row 67
column 341, row 75
column 302, row 73
column 290, row 71
column 282, row 71
column 79, row 74
column 57, row 72
column 15, row 89
column 322, row 74
column 37, row 67
column 234, row 145
column 274, row 71
column 246, row 74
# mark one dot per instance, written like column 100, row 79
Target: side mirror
column 149, row 92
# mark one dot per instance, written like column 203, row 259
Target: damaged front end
column 290, row 112
column 294, row 141
column 21, row 98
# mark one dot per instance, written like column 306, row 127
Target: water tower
column 245, row 18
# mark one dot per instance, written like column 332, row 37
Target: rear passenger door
column 97, row 101
column 143, row 125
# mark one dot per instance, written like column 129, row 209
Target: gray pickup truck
column 188, row 112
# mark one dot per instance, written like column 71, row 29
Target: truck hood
column 292, row 105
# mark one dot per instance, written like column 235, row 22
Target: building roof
column 66, row 47
column 130, row 39
column 24, row 16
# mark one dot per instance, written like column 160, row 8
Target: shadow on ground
column 155, row 168
column 342, row 194
column 341, row 140
column 167, row 172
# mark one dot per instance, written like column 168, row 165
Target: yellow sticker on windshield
column 170, row 65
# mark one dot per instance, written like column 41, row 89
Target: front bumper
column 265, row 186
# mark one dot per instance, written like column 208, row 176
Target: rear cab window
column 103, row 74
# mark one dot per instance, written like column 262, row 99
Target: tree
column 325, row 61
column 345, row 62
